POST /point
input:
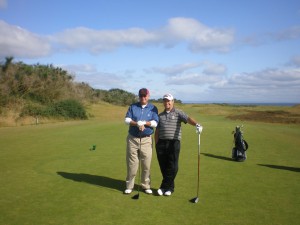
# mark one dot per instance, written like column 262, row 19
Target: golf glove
column 141, row 123
column 199, row 128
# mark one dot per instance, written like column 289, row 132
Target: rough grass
column 275, row 114
column 266, row 114
column 11, row 117
column 49, row 175
column 269, row 114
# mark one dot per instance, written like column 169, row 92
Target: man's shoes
column 160, row 192
column 148, row 191
column 167, row 193
column 127, row 191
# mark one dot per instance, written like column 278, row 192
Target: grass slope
column 49, row 175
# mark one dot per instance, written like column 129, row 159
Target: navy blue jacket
column 136, row 113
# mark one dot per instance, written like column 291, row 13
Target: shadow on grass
column 94, row 179
column 217, row 156
column 294, row 169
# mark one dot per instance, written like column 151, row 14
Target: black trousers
column 168, row 155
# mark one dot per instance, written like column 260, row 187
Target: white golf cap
column 168, row 96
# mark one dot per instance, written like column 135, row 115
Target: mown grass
column 49, row 175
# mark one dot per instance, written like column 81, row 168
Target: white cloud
column 268, row 79
column 289, row 33
column 102, row 80
column 209, row 68
column 295, row 61
column 198, row 79
column 18, row 42
column 176, row 69
column 80, row 68
column 271, row 85
column 214, row 68
column 213, row 84
column 197, row 36
column 88, row 73
column 98, row 41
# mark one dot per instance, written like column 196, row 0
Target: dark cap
column 144, row 91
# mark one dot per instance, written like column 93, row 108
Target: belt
column 141, row 136
column 146, row 136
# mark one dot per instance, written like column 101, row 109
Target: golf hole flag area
column 52, row 174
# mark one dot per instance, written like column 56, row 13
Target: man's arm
column 192, row 121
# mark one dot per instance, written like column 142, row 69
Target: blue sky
column 199, row 51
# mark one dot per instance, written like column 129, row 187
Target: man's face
column 168, row 104
column 144, row 99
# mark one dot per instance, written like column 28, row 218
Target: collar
column 143, row 106
column 172, row 110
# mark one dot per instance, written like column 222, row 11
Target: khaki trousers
column 132, row 159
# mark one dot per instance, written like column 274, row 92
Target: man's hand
column 199, row 128
column 141, row 124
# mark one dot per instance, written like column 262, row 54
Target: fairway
column 49, row 175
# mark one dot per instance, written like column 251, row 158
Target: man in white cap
column 167, row 139
column 141, row 117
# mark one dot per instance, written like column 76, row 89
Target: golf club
column 196, row 199
column 137, row 196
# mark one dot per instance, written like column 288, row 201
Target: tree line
column 45, row 90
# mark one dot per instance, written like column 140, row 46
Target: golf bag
column 240, row 145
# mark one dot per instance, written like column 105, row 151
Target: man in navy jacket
column 141, row 117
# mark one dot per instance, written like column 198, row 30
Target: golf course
column 51, row 175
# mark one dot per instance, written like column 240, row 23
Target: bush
column 33, row 110
column 70, row 109
column 119, row 97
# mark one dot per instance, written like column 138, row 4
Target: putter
column 196, row 199
column 137, row 196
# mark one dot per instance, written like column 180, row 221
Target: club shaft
column 198, row 166
column 139, row 158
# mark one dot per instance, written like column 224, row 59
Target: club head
column 194, row 200
column 137, row 196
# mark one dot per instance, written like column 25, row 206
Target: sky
column 231, row 51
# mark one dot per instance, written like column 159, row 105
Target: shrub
column 33, row 110
column 70, row 109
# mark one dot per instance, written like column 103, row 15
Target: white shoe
column 148, row 191
column 160, row 192
column 127, row 191
column 167, row 193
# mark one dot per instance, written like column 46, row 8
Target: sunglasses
column 142, row 96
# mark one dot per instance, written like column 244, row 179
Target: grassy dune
column 49, row 176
